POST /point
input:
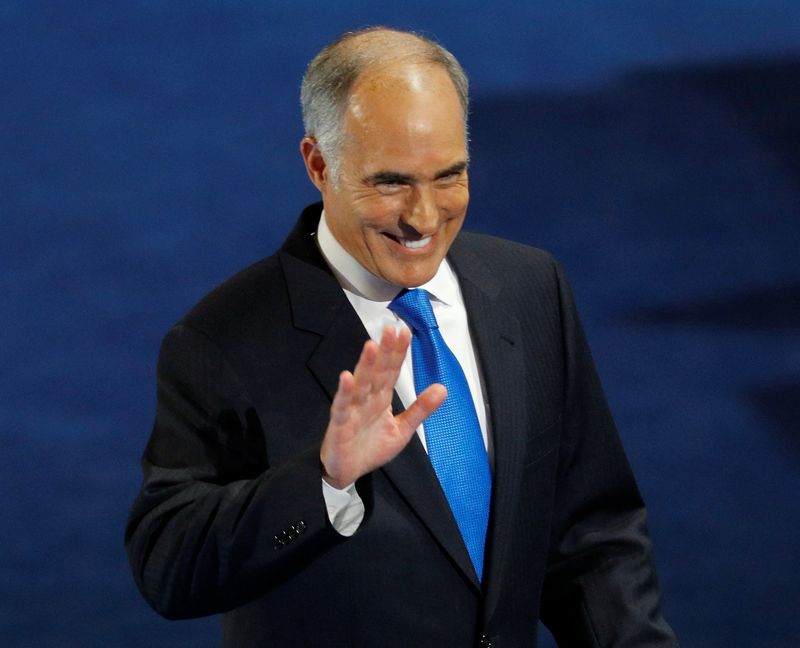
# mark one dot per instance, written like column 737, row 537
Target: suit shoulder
column 239, row 298
column 505, row 255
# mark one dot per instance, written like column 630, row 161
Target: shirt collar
column 357, row 279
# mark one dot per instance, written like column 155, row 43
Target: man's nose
column 423, row 214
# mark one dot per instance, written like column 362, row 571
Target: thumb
column 425, row 405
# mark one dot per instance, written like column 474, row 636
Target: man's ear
column 315, row 163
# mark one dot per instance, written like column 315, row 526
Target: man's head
column 386, row 145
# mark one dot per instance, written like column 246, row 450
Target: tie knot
column 414, row 308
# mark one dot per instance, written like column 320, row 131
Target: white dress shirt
column 370, row 297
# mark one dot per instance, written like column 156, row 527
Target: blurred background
column 148, row 150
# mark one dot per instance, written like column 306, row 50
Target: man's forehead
column 399, row 80
column 401, row 93
column 388, row 73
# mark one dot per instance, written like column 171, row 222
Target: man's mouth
column 409, row 243
column 414, row 245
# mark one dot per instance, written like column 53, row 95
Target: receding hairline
column 372, row 49
column 383, row 45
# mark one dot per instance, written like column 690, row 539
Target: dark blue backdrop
column 149, row 149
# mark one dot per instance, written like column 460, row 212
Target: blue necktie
column 452, row 432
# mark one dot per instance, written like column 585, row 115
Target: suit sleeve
column 214, row 525
column 601, row 587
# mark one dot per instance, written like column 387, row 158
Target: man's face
column 403, row 190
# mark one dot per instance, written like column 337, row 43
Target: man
column 322, row 507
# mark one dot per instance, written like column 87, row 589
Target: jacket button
column 300, row 526
column 277, row 542
column 484, row 642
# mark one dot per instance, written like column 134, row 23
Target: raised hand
column 363, row 434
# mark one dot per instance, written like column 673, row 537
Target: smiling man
column 400, row 192
column 462, row 481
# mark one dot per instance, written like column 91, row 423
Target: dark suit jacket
column 231, row 516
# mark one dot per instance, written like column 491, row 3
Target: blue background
column 148, row 150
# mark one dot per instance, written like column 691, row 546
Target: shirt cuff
column 345, row 508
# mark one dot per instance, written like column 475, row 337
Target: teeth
column 416, row 244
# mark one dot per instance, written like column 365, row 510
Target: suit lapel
column 412, row 474
column 497, row 337
column 319, row 306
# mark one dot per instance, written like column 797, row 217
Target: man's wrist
column 345, row 508
column 338, row 484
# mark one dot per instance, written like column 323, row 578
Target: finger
column 393, row 362
column 401, row 345
column 364, row 371
column 387, row 369
column 340, row 408
column 425, row 405
column 385, row 351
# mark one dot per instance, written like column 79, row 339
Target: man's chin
column 411, row 279
column 407, row 272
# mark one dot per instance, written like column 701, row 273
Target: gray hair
column 331, row 74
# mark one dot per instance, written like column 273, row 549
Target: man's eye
column 449, row 178
column 389, row 186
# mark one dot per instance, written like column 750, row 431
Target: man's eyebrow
column 453, row 169
column 395, row 177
